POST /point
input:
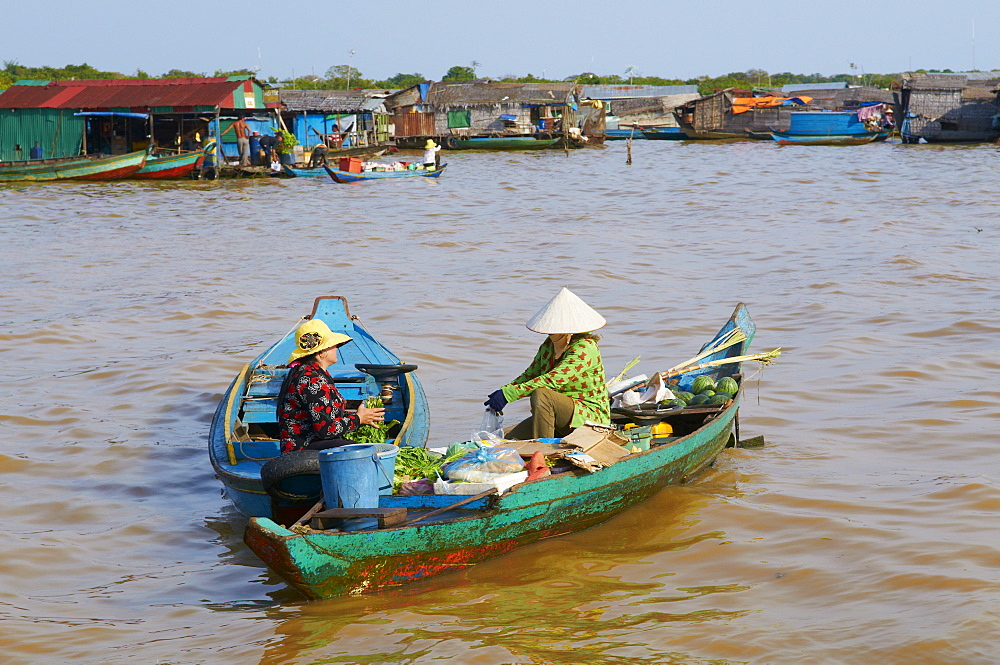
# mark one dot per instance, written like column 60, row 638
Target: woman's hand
column 370, row 416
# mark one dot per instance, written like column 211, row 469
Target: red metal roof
column 123, row 93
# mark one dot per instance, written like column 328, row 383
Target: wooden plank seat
column 328, row 518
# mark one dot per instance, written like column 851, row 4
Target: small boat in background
column 664, row 133
column 505, row 143
column 182, row 165
column 345, row 177
column 829, row 128
column 95, row 167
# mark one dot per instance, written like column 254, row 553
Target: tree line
column 344, row 77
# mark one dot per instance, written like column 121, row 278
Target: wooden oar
column 470, row 499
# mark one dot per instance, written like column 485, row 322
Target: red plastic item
column 350, row 164
column 536, row 466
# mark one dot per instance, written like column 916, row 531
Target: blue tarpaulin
column 118, row 113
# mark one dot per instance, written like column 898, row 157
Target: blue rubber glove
column 496, row 401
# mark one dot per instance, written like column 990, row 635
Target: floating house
column 839, row 96
column 949, row 107
column 336, row 118
column 649, row 106
column 454, row 113
column 68, row 118
column 736, row 114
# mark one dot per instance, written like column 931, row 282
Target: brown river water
column 867, row 530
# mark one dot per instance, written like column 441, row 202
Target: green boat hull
column 323, row 564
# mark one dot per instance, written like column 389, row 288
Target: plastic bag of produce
column 492, row 424
column 485, row 465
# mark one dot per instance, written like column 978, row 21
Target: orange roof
column 744, row 104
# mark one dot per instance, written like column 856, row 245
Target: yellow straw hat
column 314, row 336
column 430, row 144
column 565, row 313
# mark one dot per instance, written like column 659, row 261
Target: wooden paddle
column 470, row 499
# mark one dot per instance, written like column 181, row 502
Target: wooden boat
column 455, row 532
column 664, row 133
column 827, row 128
column 96, row 167
column 786, row 138
column 345, row 177
column 166, row 166
column 244, row 431
column 505, row 143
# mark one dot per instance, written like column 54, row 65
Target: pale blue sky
column 558, row 39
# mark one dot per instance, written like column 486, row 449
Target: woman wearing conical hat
column 565, row 381
column 431, row 154
column 312, row 414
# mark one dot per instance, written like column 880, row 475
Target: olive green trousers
column 551, row 415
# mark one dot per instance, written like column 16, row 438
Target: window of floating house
column 509, row 120
column 459, row 119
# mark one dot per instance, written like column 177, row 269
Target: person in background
column 565, row 381
column 242, row 139
column 312, row 414
column 431, row 155
column 318, row 156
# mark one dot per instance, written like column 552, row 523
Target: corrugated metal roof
column 498, row 92
column 123, row 93
column 636, row 91
column 651, row 104
column 329, row 101
column 801, row 87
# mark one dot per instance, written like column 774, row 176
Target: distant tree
column 140, row 74
column 586, row 78
column 181, row 74
column 460, row 73
column 403, row 80
column 235, row 72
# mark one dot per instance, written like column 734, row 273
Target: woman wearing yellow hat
column 430, row 154
column 565, row 381
column 312, row 414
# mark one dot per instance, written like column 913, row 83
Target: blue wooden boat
column 445, row 533
column 664, row 133
column 345, row 177
column 243, row 435
column 306, row 172
column 827, row 128
column 623, row 133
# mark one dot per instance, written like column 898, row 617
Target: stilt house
column 950, row 107
column 68, row 118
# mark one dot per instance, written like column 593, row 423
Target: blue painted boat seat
column 260, row 403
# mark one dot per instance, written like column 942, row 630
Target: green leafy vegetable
column 372, row 433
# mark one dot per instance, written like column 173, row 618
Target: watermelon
column 707, row 393
column 720, row 398
column 701, row 384
column 727, row 384
column 727, row 395
column 675, row 402
column 698, row 400
column 686, row 396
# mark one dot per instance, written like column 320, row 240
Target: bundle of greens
column 372, row 433
column 413, row 463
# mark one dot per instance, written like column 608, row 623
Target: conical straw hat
column 565, row 313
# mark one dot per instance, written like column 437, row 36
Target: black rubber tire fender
column 293, row 477
column 451, row 143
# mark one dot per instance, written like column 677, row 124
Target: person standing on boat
column 242, row 139
column 565, row 381
column 431, row 154
column 312, row 414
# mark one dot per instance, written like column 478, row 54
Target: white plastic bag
column 492, row 424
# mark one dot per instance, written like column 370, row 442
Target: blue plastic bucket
column 350, row 476
column 387, row 458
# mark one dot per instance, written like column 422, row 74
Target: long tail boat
column 89, row 168
column 181, row 165
column 346, row 177
column 244, row 431
column 444, row 533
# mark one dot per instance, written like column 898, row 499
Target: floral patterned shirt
column 310, row 408
column 578, row 373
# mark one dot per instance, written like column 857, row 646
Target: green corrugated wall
column 58, row 132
